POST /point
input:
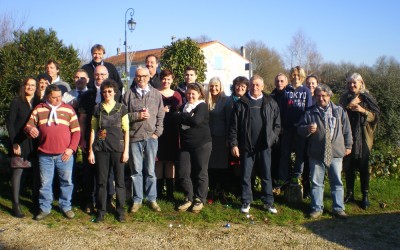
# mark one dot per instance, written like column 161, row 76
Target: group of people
column 206, row 142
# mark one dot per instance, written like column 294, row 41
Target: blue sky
column 351, row 31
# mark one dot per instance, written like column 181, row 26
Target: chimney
column 118, row 51
column 243, row 51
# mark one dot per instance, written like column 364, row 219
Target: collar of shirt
column 57, row 79
column 146, row 90
column 254, row 98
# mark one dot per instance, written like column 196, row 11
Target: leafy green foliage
column 27, row 56
column 182, row 53
column 385, row 161
column 382, row 80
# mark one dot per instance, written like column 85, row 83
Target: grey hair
column 143, row 68
column 325, row 88
column 357, row 77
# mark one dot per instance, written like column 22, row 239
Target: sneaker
column 340, row 214
column 41, row 215
column 315, row 214
column 197, row 205
column 270, row 208
column 154, row 206
column 135, row 207
column 295, row 181
column 185, row 205
column 69, row 214
column 245, row 208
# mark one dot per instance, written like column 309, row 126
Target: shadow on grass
column 372, row 231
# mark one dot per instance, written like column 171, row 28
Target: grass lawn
column 383, row 192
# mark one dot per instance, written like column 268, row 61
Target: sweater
column 142, row 129
column 297, row 101
column 194, row 127
column 56, row 138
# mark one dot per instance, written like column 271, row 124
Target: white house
column 221, row 61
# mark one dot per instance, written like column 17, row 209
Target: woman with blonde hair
column 363, row 112
column 219, row 107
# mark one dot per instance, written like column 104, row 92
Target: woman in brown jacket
column 363, row 112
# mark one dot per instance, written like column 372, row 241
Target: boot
column 160, row 188
column 365, row 201
column 349, row 197
column 16, row 210
column 170, row 189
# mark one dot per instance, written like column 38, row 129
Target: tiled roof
column 140, row 55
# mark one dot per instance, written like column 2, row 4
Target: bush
column 385, row 161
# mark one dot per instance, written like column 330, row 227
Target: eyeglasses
column 101, row 74
column 141, row 76
column 108, row 91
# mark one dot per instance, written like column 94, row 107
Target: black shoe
column 16, row 210
column 121, row 217
column 365, row 202
column 99, row 218
column 349, row 197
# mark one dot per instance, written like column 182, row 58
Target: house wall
column 225, row 64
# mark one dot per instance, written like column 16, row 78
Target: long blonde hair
column 209, row 100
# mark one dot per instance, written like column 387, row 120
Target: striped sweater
column 56, row 138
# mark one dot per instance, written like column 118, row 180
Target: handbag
column 19, row 162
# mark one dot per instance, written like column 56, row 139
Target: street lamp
column 131, row 25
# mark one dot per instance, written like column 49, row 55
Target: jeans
column 143, row 155
column 248, row 161
column 193, row 171
column 48, row 164
column 317, row 171
column 291, row 139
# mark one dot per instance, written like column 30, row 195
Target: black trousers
column 105, row 161
column 351, row 165
column 193, row 171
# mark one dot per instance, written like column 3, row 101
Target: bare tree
column 202, row 39
column 303, row 52
column 8, row 24
column 266, row 62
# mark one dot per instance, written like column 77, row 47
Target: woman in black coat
column 23, row 148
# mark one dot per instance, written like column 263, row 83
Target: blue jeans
column 143, row 155
column 317, row 172
column 48, row 164
column 263, row 160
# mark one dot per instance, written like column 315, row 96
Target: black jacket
column 16, row 120
column 112, row 74
column 239, row 134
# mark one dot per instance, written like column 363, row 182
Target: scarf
column 358, row 120
column 53, row 113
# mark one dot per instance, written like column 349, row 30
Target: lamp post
column 131, row 25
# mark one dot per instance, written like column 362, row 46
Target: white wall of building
column 224, row 63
